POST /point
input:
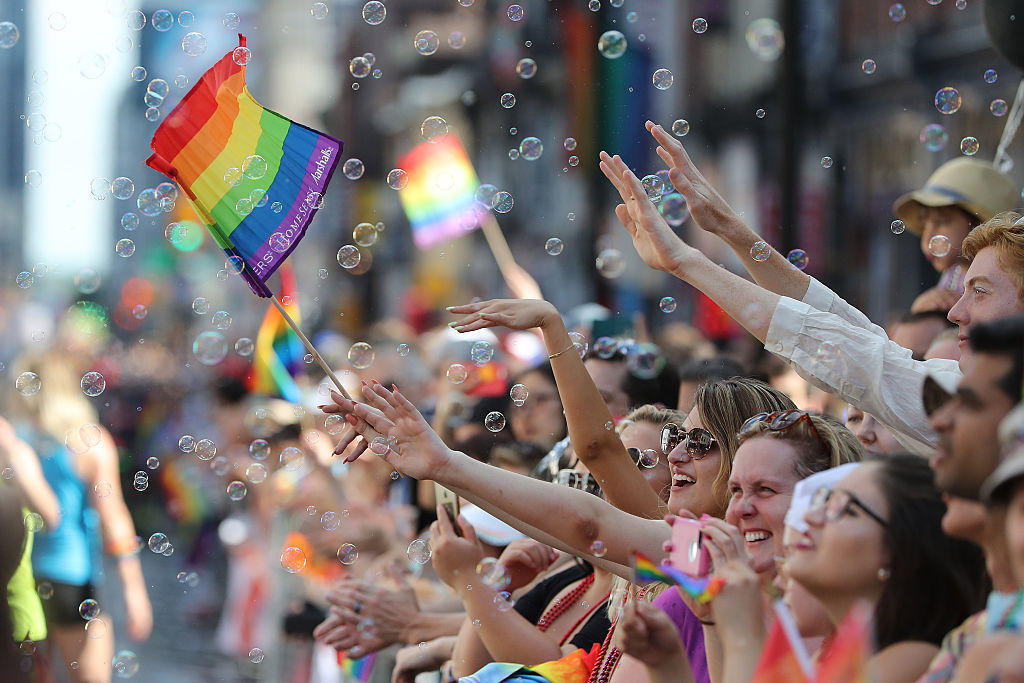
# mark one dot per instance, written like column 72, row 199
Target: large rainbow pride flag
column 439, row 197
column 254, row 177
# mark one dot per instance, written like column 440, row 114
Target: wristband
column 568, row 348
column 124, row 547
column 706, row 623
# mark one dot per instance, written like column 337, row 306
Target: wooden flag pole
column 519, row 282
column 309, row 346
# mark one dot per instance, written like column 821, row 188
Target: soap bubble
column 508, row 100
column 680, row 127
column 947, row 100
column 674, row 209
column 347, row 554
column 353, row 169
column 531, row 148
column 759, row 113
column 519, row 393
column 897, row 12
column 526, row 68
column 359, row 67
column 998, row 107
column 349, row 257
column 379, row 446
column 201, row 305
column 397, row 179
column 868, row 66
column 610, row 263
column 330, row 520
column 259, row 449
column 141, row 482
column 9, row 35
column 293, row 560
column 594, row 5
column 598, row 549
column 158, row 542
column 662, row 79
column 186, row 19
column 256, row 655
column 934, row 137
column 419, row 551
column 554, row 246
column 503, row 201
column 760, row 251
column 990, row 76
column 221, row 320
column 648, row 458
column 122, row 188
column 969, row 146
column 124, row 247
column 241, row 55
column 826, row 162
column 700, row 25
column 456, row 40
column 319, row 10
column 485, row 194
column 152, row 114
column 210, row 347
column 194, row 44
column 256, row 473
column 162, row 20
column 481, row 352
column 434, row 129
column 361, row 355
column 654, row 186
column 25, row 279
column 765, row 39
column 89, row 609
column 254, row 167
column 187, row 443
column 457, row 373
column 494, row 575
column 503, row 601
column 667, row 304
column 939, row 246
column 230, row 21
column 516, row 12
column 374, row 12
column 291, row 459
column 426, row 42
column 33, row 522
column 99, row 188
column 205, row 450
column 612, row 44
column 236, row 490
column 799, row 258
column 93, row 384
column 102, row 489
column 153, row 462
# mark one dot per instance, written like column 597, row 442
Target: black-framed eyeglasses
column 644, row 459
column 698, row 441
column 780, row 422
column 839, row 503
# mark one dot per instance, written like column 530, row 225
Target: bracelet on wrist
column 570, row 347
column 706, row 623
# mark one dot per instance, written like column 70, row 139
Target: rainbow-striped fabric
column 702, row 589
column 254, row 177
column 279, row 351
column 438, row 200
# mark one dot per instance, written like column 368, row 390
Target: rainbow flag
column 279, row 351
column 254, row 177
column 439, row 198
column 358, row 669
column 701, row 588
column 574, row 667
column 845, row 658
column 783, row 658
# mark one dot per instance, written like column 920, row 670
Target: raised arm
column 28, row 475
column 586, row 413
column 574, row 517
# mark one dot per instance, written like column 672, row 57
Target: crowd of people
column 475, row 504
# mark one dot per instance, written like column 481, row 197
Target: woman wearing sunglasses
column 876, row 537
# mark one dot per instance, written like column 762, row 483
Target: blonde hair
column 723, row 407
column 653, row 415
column 59, row 406
column 1004, row 232
column 837, row 445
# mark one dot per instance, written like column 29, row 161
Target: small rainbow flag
column 279, row 351
column 702, row 588
column 357, row 669
column 254, row 177
column 783, row 657
column 439, row 198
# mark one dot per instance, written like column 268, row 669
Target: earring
column 884, row 574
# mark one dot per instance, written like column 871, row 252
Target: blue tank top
column 67, row 552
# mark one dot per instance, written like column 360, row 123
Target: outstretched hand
column 515, row 314
column 646, row 633
column 655, row 242
column 709, row 210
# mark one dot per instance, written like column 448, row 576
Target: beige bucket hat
column 973, row 185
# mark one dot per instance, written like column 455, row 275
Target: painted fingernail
column 376, row 383
column 453, row 324
column 394, row 387
column 363, row 381
column 705, row 517
column 351, row 419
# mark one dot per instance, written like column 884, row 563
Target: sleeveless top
column 67, row 553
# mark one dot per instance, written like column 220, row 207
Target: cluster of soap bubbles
column 141, row 481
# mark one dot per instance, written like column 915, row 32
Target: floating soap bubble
column 236, row 490
column 25, row 279
column 186, row 19
column 934, row 137
column 319, row 10
column 760, row 251
column 89, row 609
column 969, row 146
column 348, row 554
column 122, row 188
column 516, row 12
column 648, row 458
column 361, row 355
column 481, row 352
column 353, row 169
column 494, row 575
column 667, row 304
column 153, row 462
column 349, row 257
column 654, row 186
column 674, row 209
column 162, row 20
column 663, row 79
column 254, row 167
column 93, row 384
column 244, row 346
column 293, row 560
column 256, row 473
column 598, row 548
column 374, row 12
column 194, row 44
column 594, row 5
column 680, row 127
column 531, row 148
column 205, row 450
column 158, row 542
column 419, row 551
column 947, row 100
column 141, row 482
column 126, row 662
column 485, row 194
column 359, row 67
column 33, row 522
column 513, row 154
column 990, row 76
column 149, row 203
column 939, row 246
column 135, row 20
column 201, row 305
column 519, row 393
column 765, row 39
column 187, row 443
column 457, row 373
column 241, row 55
column 612, row 44
column 508, row 100
column 826, row 162
column 426, row 42
column 610, row 263
column 124, row 247
column 998, row 107
column 799, row 258
column 569, row 144
column 379, row 446
column 554, row 246
column 152, row 114
column 99, row 188
column 503, row 201
column 231, row 21
column 256, row 655
column 221, row 320
column 397, row 179
column 526, row 68
column 503, row 601
column 700, row 25
column 9, row 35
column 434, row 129
column 456, row 40
column 210, row 347
column 33, row 178
column 291, row 459
column 897, row 12
column 102, row 489
column 259, row 449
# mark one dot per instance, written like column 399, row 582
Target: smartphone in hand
column 688, row 553
column 449, row 500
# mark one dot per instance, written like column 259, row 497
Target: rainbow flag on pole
column 254, row 177
column 702, row 588
column 439, row 198
column 279, row 351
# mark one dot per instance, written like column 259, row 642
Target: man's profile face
column 989, row 294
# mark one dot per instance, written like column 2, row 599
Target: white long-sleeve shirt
column 838, row 349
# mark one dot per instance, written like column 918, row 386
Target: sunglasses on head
column 698, row 441
column 780, row 422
